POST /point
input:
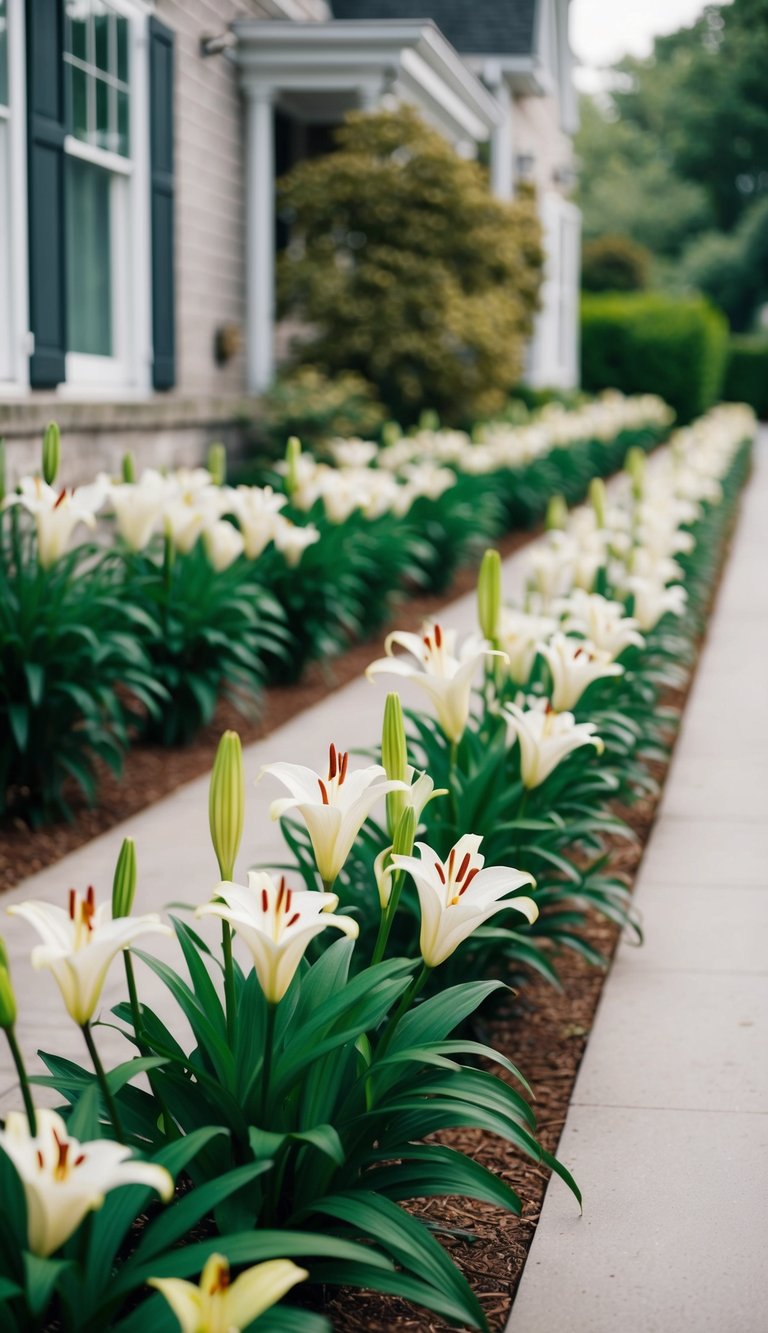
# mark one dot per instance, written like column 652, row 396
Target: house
column 139, row 146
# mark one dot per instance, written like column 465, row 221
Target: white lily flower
column 183, row 521
column 257, row 509
column 354, row 453
column 57, row 513
column 551, row 565
column 574, row 664
column 292, row 540
column 218, row 1305
column 546, row 738
column 519, row 635
column 80, row 944
column 334, row 808
column 276, row 924
column 445, row 675
column 603, row 622
column 460, row 894
column 139, row 508
column 223, row 544
column 63, row 1179
column 652, row 600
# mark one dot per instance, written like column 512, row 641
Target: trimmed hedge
column 746, row 373
column 651, row 343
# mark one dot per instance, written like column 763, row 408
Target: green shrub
column 318, row 408
column 651, row 343
column 614, row 264
column 746, row 373
column 408, row 270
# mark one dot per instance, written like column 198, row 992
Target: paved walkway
column 667, row 1133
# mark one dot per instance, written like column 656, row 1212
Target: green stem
column 138, row 1027
column 18, row 1060
column 229, row 981
column 103, row 1084
column 406, row 1000
column 387, row 918
column 454, row 760
column 266, row 1068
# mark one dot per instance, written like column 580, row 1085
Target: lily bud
column 489, row 595
column 226, row 803
column 390, row 433
column 597, row 500
column 51, row 452
column 292, row 456
column 634, row 465
column 557, row 514
column 124, row 882
column 128, row 469
column 8, row 1008
column 2, row 470
column 217, row 464
column 429, row 420
column 405, row 833
column 394, row 757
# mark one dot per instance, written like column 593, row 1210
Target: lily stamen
column 323, row 791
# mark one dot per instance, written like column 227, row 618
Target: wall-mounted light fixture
column 524, row 166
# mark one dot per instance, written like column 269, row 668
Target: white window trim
column 128, row 371
column 16, row 120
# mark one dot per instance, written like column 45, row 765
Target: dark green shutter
column 46, row 128
column 162, row 203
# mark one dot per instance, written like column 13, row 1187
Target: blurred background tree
column 614, row 264
column 404, row 268
column 675, row 157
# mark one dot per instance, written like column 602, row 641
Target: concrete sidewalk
column 667, row 1133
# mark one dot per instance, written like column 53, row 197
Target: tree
column 675, row 155
column 408, row 271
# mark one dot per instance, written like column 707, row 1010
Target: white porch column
column 502, row 140
column 260, row 236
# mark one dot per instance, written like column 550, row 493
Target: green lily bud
column 226, row 802
column 128, row 468
column 292, row 456
column 8, row 1010
column 429, row 420
column 390, row 433
column 489, row 595
column 2, row 470
column 124, row 882
column 402, row 842
column 394, row 757
column 51, row 452
column 217, row 463
column 557, row 514
column 597, row 499
column 634, row 464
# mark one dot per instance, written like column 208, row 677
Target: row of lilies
column 298, row 1041
column 130, row 606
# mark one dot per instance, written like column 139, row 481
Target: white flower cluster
column 378, row 481
column 186, row 505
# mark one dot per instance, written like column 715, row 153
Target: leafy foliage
column 68, row 638
column 408, row 270
column 746, row 375
column 614, row 264
column 318, row 408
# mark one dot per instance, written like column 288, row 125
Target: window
column 105, row 195
column 6, row 305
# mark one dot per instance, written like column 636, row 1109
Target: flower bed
column 190, row 590
column 298, row 1118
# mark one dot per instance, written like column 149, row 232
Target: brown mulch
column 151, row 772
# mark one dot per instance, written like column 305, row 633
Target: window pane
column 78, row 107
column 101, row 22
column 101, row 129
column 123, row 145
column 89, row 259
column 122, row 48
column 3, row 55
column 77, row 29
